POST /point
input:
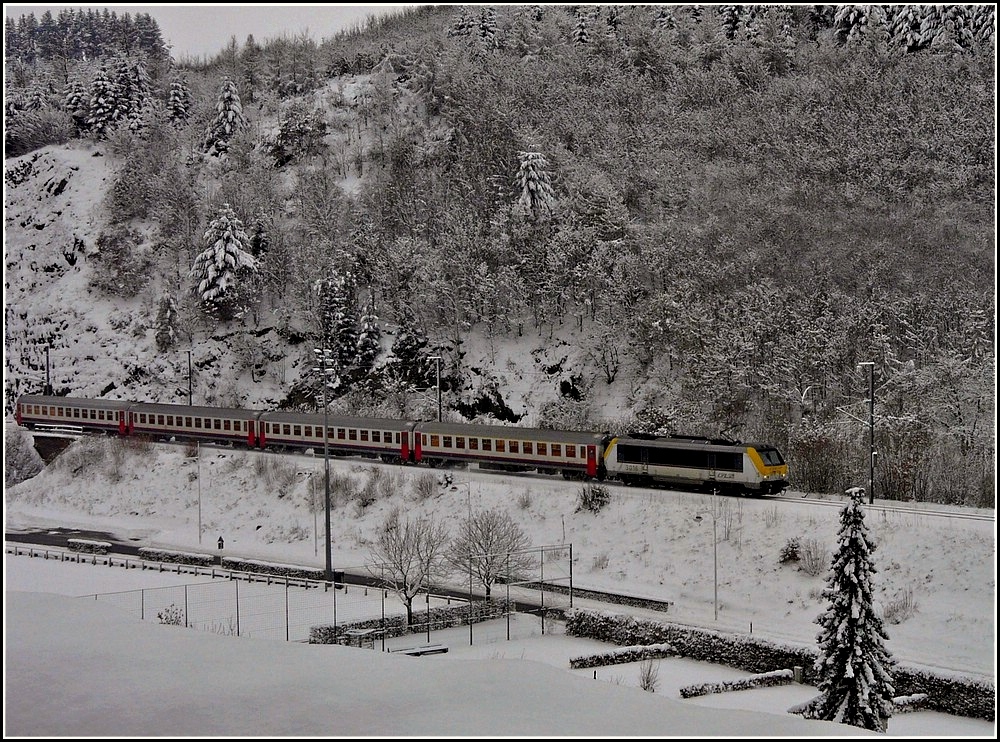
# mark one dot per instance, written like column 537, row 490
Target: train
column 685, row 462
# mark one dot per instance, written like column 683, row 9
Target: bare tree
column 489, row 539
column 407, row 554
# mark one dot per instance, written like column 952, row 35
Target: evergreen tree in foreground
column 855, row 684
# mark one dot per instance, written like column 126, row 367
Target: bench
column 422, row 650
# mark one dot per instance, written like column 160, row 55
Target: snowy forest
column 709, row 215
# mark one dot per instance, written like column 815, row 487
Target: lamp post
column 323, row 354
column 189, row 377
column 199, row 492
column 437, row 362
column 715, row 550
column 871, row 429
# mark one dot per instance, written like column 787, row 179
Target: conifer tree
column 338, row 320
column 179, row 102
column 219, row 269
column 228, row 119
column 104, row 108
column 580, row 33
column 488, row 29
column 408, row 360
column 854, row 666
column 369, row 340
column 76, row 103
column 166, row 322
column 535, row 183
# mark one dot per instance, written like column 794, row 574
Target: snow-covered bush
column 593, row 498
column 790, row 551
column 761, row 680
column 813, row 557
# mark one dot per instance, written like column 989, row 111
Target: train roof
column 195, row 411
column 334, row 421
column 97, row 404
column 509, row 431
column 687, row 443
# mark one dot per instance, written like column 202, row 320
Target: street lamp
column 198, row 459
column 715, row 550
column 871, row 429
column 437, row 361
column 324, row 355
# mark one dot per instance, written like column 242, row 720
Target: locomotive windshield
column 771, row 456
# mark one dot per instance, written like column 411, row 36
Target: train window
column 487, row 444
column 364, row 436
column 473, row 444
column 59, row 411
column 435, row 441
column 512, row 446
column 341, row 434
column 447, row 441
column 771, row 456
column 170, row 420
column 542, row 449
column 501, row 446
column 76, row 413
column 397, row 438
column 217, row 424
column 557, row 449
column 93, row 415
column 227, row 425
column 376, row 436
column 197, row 422
column 527, row 447
column 309, row 431
column 459, row 441
column 297, row 431
column 352, row 434
column 187, row 422
column 570, row 451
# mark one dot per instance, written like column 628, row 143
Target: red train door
column 251, row 438
column 122, row 422
column 591, row 461
column 417, row 452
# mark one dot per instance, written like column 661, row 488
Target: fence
column 288, row 608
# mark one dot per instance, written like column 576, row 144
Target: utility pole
column 48, row 381
column 437, row 361
column 189, row 377
column 871, row 430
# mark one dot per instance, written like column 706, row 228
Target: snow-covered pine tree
column 369, row 341
column 219, row 269
column 581, row 35
column 488, row 29
column 534, row 180
column 166, row 322
column 408, row 360
column 76, row 103
column 179, row 102
column 338, row 321
column 854, row 666
column 462, row 25
column 104, row 107
column 228, row 119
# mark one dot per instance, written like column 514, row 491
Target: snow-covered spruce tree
column 219, row 269
column 534, row 180
column 228, row 119
column 179, row 102
column 855, row 683
column 76, row 103
column 488, row 30
column 337, row 311
column 580, row 33
column 104, row 105
column 166, row 322
column 408, row 358
column 369, row 341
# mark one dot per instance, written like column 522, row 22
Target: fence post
column 286, row 609
column 185, row 606
column 237, row 607
column 142, row 605
column 541, row 584
column 571, row 575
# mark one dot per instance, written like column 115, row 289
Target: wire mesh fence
column 524, row 592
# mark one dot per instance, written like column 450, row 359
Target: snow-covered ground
column 646, row 542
